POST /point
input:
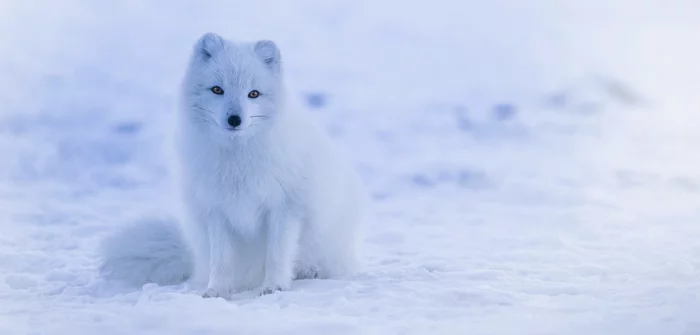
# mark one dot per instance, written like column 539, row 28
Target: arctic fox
column 266, row 199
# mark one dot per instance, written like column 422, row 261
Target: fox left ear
column 268, row 52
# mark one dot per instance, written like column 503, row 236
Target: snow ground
column 534, row 163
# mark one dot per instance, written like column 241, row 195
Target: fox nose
column 234, row 121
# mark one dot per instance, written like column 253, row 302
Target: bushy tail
column 148, row 251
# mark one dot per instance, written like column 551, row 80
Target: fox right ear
column 269, row 53
column 208, row 45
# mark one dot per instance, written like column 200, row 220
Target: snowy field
column 534, row 164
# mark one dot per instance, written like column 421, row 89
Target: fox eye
column 253, row 94
column 217, row 90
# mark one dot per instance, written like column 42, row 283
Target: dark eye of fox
column 217, row 90
column 253, row 94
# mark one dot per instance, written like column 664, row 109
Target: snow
column 533, row 164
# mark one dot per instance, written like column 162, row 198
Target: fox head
column 231, row 88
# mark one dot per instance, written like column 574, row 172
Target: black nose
column 234, row 121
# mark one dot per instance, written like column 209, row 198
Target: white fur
column 266, row 202
column 150, row 250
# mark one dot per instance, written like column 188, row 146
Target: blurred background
column 533, row 164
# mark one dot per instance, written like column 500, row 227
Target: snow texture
column 533, row 164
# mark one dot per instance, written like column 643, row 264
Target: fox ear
column 208, row 45
column 269, row 54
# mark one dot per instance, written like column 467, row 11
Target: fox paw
column 306, row 273
column 270, row 289
column 212, row 293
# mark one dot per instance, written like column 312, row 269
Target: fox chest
column 239, row 190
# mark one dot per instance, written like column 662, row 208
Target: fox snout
column 234, row 121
